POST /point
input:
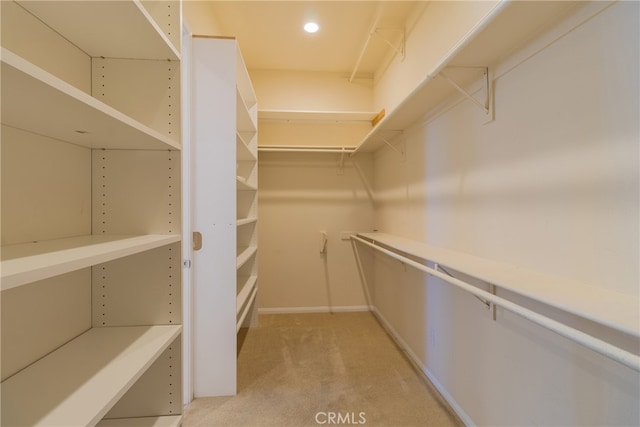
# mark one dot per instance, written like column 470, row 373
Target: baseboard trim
column 318, row 309
column 423, row 368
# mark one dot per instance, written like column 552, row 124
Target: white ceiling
column 270, row 33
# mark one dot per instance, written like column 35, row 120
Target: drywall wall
column 551, row 185
column 300, row 196
column 311, row 91
column 199, row 17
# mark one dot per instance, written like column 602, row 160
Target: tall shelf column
column 225, row 212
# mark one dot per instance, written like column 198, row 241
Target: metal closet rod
column 609, row 350
column 305, row 149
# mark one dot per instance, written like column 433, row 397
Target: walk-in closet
column 267, row 213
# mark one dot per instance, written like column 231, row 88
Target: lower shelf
column 244, row 254
column 168, row 421
column 248, row 285
column 78, row 383
column 243, row 311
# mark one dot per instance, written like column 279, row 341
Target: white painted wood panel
column 225, row 183
column 146, row 91
column 213, row 143
column 46, row 187
column 136, row 192
column 167, row 16
column 42, row 316
column 141, row 289
column 157, row 392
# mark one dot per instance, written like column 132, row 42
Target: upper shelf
column 499, row 34
column 28, row 262
column 317, row 116
column 77, row 384
column 613, row 309
column 111, row 29
column 38, row 102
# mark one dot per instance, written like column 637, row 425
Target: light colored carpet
column 322, row 369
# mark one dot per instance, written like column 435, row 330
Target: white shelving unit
column 85, row 377
column 247, row 199
column 225, row 210
column 90, row 267
column 508, row 26
column 613, row 309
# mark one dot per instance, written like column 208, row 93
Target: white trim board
column 421, row 367
column 317, row 309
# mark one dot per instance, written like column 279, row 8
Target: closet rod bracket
column 394, row 147
column 492, row 290
column 487, row 105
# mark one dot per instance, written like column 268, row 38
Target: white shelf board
column 164, row 421
column 28, row 262
column 508, row 26
column 301, row 149
column 78, row 383
column 38, row 102
column 317, row 116
column 243, row 152
column 242, row 185
column 244, row 254
column 248, row 287
column 613, row 309
column 111, row 29
column 246, row 221
column 244, row 121
column 246, row 308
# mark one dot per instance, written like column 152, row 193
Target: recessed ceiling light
column 311, row 27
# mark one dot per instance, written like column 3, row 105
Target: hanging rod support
column 438, row 267
column 393, row 147
column 399, row 49
column 341, row 163
column 484, row 107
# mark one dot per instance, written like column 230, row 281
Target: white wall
column 303, row 194
column 551, row 185
column 299, row 196
column 200, row 18
column 435, row 34
column 311, row 91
